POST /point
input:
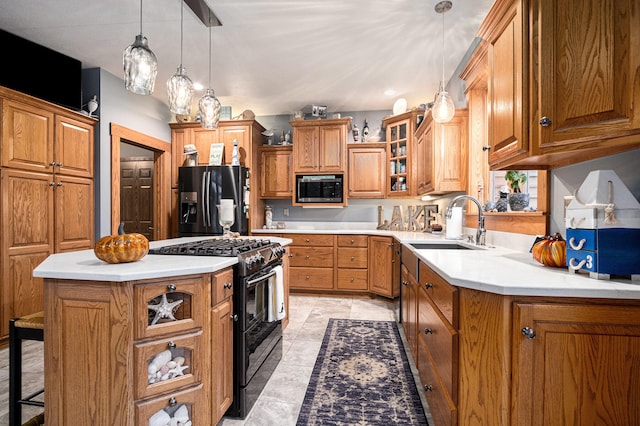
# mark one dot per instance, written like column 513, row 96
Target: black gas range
column 257, row 337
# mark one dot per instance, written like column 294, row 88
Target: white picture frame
column 216, row 154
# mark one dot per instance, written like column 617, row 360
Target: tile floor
column 282, row 398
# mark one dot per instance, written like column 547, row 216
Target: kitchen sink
column 440, row 246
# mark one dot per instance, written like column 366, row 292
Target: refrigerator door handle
column 205, row 197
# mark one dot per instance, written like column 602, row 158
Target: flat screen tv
column 41, row 72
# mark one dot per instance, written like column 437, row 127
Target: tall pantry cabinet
column 47, row 194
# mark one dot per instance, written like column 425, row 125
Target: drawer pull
column 290, row 255
column 307, row 257
column 573, row 266
column 172, row 401
column 528, row 332
column 353, row 258
column 353, row 241
column 352, row 279
column 306, row 240
column 428, row 331
column 171, row 345
column 171, row 287
column 228, row 286
column 307, row 277
column 428, row 286
column 428, row 387
column 404, row 282
column 572, row 243
column 234, row 317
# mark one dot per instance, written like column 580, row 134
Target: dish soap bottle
column 235, row 156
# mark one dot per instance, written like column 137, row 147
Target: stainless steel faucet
column 481, row 231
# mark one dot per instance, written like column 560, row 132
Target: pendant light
column 140, row 65
column 180, row 86
column 443, row 108
column 209, row 105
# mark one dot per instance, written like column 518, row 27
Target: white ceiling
column 269, row 56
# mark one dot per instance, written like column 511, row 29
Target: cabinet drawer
column 582, row 239
column 443, row 411
column 443, row 294
column 441, row 341
column 311, row 257
column 311, row 278
column 183, row 298
column 187, row 405
column 352, row 279
column 158, row 368
column 311, row 240
column 352, row 240
column 221, row 286
column 352, row 257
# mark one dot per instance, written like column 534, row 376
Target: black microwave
column 319, row 189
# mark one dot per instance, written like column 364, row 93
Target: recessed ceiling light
column 390, row 92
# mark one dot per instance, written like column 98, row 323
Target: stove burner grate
column 221, row 247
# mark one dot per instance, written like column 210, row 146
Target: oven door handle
column 261, row 278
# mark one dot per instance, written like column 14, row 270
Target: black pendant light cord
column 181, row 28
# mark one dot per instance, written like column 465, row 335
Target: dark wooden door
column 136, row 195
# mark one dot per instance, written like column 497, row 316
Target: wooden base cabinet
column 576, row 364
column 515, row 360
column 112, row 360
column 311, row 261
column 381, row 267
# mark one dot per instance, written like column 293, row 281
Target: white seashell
column 172, row 364
column 159, row 360
column 160, row 418
column 179, row 360
column 188, row 423
column 182, row 414
column 173, row 422
column 165, row 377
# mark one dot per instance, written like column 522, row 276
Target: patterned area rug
column 361, row 377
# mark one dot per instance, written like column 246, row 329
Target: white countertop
column 496, row 269
column 84, row 265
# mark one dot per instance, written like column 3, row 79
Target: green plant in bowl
column 515, row 178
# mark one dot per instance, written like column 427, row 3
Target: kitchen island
column 138, row 343
column 499, row 339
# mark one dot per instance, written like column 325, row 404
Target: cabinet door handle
column 528, row 332
column 228, row 286
column 171, row 345
column 545, row 121
column 59, row 184
column 52, row 184
column 59, row 164
column 428, row 387
column 234, row 317
column 52, row 163
column 172, row 401
column 171, row 287
column 428, row 286
column 428, row 331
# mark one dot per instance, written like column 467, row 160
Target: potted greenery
column 518, row 200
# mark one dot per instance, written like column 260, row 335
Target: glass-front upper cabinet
column 400, row 140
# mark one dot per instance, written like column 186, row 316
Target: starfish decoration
column 164, row 309
column 178, row 370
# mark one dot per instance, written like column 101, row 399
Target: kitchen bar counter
column 84, row 265
column 495, row 269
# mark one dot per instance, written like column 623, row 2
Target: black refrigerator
column 200, row 190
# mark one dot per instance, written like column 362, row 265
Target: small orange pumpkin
column 121, row 248
column 551, row 251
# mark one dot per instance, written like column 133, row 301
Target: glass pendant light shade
column 180, row 92
column 140, row 65
column 209, row 110
column 443, row 108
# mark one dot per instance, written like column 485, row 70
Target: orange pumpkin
column 551, row 251
column 121, row 248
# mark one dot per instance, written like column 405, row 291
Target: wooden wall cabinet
column 276, row 173
column 367, row 170
column 320, row 146
column 46, row 182
column 553, row 98
column 248, row 135
column 442, row 154
column 401, row 177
